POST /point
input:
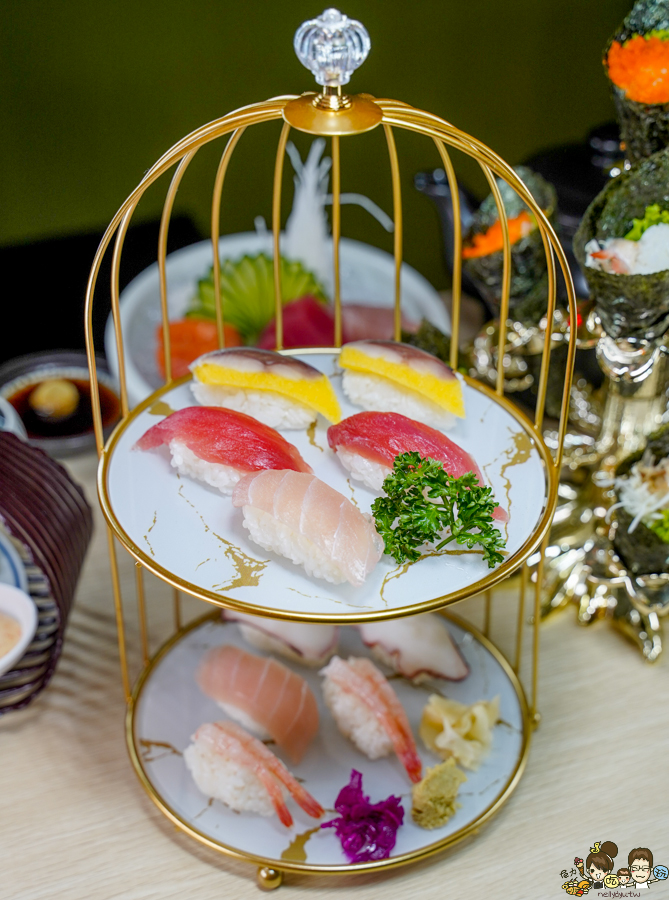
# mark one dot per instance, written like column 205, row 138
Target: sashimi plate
column 169, row 707
column 191, row 535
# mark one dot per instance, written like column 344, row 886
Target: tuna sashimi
column 225, row 437
column 368, row 442
column 306, row 520
column 262, row 691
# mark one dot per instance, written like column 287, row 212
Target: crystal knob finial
column 332, row 47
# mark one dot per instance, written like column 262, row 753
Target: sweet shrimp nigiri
column 218, row 446
column 307, row 521
column 232, row 766
column 367, row 443
column 367, row 710
column 263, row 695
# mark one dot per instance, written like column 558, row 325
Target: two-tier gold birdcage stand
column 333, row 115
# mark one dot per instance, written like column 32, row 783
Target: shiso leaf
column 366, row 830
column 247, row 292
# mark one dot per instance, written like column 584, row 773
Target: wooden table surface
column 75, row 822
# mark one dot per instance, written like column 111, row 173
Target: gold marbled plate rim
column 334, row 869
column 500, row 573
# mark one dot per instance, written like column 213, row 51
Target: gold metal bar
column 456, row 284
column 215, row 228
column 397, row 234
column 276, row 232
column 141, row 609
column 546, row 357
column 336, row 234
column 536, row 621
column 487, row 608
column 524, row 572
column 118, row 608
column 116, row 309
column 177, row 608
column 506, row 278
column 162, row 255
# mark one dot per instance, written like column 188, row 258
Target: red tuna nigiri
column 368, row 442
column 219, row 445
column 262, row 691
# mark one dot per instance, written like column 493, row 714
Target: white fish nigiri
column 232, row 766
column 304, row 519
column 302, row 642
column 418, row 647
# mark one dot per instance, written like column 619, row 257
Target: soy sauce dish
column 51, row 393
column 18, row 622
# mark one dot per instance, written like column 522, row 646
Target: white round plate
column 20, row 606
column 170, row 707
column 12, row 570
column 191, row 535
column 367, row 276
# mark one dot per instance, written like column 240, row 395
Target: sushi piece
column 483, row 249
column 622, row 245
column 417, row 647
column 300, row 517
column 641, row 536
column 394, row 377
column 262, row 695
column 218, row 446
column 234, row 767
column 301, row 642
column 367, row 443
column 367, row 711
column 278, row 390
column 636, row 62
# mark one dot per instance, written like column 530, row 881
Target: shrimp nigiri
column 367, row 443
column 307, row 521
column 218, row 446
column 264, row 695
column 367, row 711
column 232, row 766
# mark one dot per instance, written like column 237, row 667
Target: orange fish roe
column 640, row 67
column 491, row 241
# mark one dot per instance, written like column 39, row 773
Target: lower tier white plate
column 169, row 707
column 192, row 536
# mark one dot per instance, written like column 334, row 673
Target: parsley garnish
column 423, row 501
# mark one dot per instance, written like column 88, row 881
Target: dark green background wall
column 91, row 93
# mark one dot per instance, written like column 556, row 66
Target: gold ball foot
column 269, row 879
column 536, row 719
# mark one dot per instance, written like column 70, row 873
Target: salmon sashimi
column 368, row 442
column 310, row 523
column 263, row 694
column 219, row 445
column 221, row 748
column 355, row 683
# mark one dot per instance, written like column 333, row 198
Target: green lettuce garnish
column 661, row 526
column 652, row 216
column 247, row 292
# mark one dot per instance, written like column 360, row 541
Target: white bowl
column 367, row 276
column 18, row 605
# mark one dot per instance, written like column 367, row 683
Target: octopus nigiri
column 279, row 390
column 395, row 377
column 367, row 710
column 263, row 695
column 307, row 521
column 367, row 443
column 218, row 446
column 418, row 647
column 232, row 766
column 303, row 642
